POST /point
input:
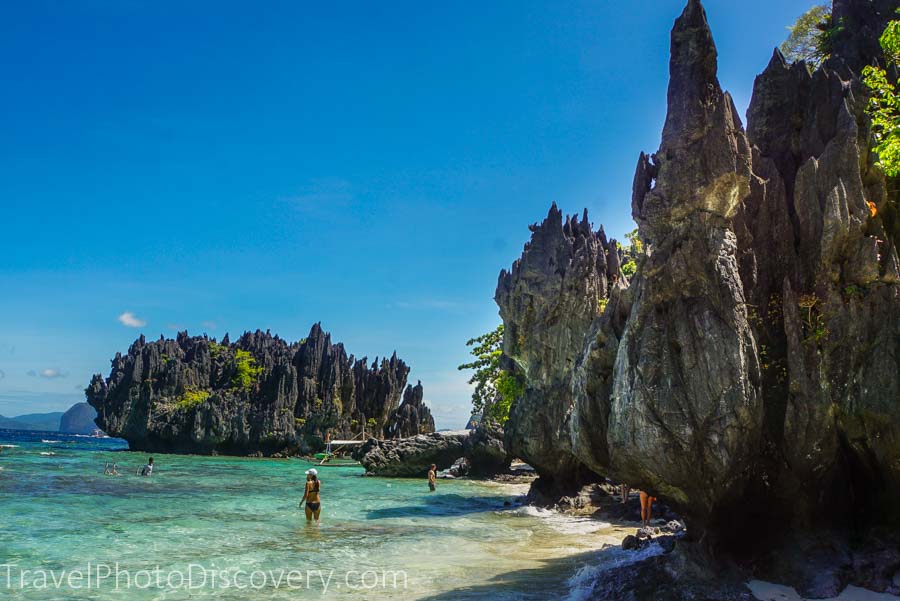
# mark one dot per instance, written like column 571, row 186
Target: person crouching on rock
column 432, row 477
column 311, row 495
column 646, row 508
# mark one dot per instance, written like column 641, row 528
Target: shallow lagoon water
column 231, row 526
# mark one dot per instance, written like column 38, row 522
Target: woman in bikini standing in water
column 311, row 495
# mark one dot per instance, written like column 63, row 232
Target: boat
column 335, row 454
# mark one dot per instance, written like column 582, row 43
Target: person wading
column 311, row 495
column 432, row 477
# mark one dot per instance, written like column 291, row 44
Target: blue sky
column 222, row 166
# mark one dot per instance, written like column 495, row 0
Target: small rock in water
column 631, row 543
column 666, row 542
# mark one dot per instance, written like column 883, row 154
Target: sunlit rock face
column 548, row 301
column 685, row 408
column 749, row 373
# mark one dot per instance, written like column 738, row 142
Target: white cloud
column 51, row 373
column 209, row 325
column 131, row 320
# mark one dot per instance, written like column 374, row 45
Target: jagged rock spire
column 693, row 83
column 703, row 162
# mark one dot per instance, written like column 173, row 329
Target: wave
column 583, row 582
column 9, row 446
column 566, row 524
column 45, row 454
column 50, row 441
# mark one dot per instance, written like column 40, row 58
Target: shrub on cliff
column 495, row 389
column 192, row 398
column 246, row 371
column 884, row 104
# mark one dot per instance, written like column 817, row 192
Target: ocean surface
column 231, row 528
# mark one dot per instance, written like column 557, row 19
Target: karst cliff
column 748, row 371
column 258, row 395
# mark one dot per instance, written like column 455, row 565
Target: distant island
column 260, row 395
column 78, row 419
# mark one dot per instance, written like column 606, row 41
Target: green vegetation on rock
column 884, row 104
column 811, row 36
column 193, row 398
column 246, row 371
column 495, row 389
column 634, row 249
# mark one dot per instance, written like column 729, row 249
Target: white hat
column 312, row 471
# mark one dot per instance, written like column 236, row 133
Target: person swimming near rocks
column 147, row 470
column 646, row 508
column 311, row 495
column 432, row 477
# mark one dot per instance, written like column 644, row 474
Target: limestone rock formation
column 79, row 419
column 485, row 450
column 412, row 417
column 749, row 373
column 548, row 301
column 411, row 457
column 260, row 394
column 686, row 412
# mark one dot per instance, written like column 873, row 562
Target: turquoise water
column 231, row 528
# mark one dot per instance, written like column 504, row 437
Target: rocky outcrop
column 411, row 457
column 485, row 450
column 548, row 301
column 260, row 394
column 685, row 411
column 79, row 419
column 412, row 417
column 748, row 375
column 477, row 452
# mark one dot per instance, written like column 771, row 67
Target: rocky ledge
column 258, row 395
column 478, row 452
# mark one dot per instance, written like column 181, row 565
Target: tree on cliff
column 810, row 37
column 884, row 104
column 495, row 388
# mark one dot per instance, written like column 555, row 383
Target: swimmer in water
column 147, row 470
column 311, row 495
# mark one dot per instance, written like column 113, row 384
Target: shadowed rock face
column 412, row 417
column 411, row 457
column 749, row 373
column 302, row 390
column 548, row 301
column 826, row 300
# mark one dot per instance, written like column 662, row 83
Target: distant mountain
column 79, row 419
column 48, row 422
